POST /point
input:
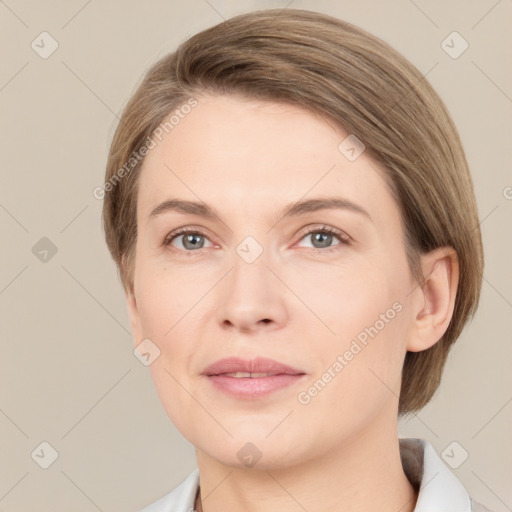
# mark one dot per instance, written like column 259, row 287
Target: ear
column 434, row 298
column 133, row 312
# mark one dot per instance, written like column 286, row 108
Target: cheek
column 163, row 299
column 356, row 380
column 171, row 388
column 168, row 303
column 365, row 344
column 344, row 297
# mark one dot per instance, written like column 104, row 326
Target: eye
column 322, row 238
column 192, row 239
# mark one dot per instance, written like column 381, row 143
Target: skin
column 295, row 304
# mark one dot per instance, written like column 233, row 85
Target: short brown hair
column 349, row 77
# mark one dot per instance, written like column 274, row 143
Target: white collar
column 440, row 490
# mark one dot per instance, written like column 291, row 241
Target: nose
column 251, row 296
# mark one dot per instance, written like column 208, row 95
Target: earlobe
column 435, row 298
column 133, row 313
column 131, row 303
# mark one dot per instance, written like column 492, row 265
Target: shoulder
column 180, row 499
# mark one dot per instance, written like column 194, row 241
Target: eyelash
column 324, row 229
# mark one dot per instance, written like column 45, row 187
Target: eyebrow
column 294, row 209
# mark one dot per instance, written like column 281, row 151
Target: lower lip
column 250, row 388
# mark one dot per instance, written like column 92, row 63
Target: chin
column 253, row 452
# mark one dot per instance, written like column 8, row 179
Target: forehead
column 256, row 155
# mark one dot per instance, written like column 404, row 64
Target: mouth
column 253, row 386
column 249, row 375
column 251, row 379
column 258, row 367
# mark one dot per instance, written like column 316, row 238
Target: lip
column 258, row 365
column 251, row 387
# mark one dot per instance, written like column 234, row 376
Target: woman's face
column 257, row 282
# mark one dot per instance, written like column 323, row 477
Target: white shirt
column 439, row 489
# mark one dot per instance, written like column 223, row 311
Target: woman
column 293, row 219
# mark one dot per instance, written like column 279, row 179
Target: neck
column 360, row 474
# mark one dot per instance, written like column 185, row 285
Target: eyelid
column 314, row 228
column 194, row 230
column 338, row 233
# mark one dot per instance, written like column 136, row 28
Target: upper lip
column 258, row 365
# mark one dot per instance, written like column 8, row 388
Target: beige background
column 68, row 373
